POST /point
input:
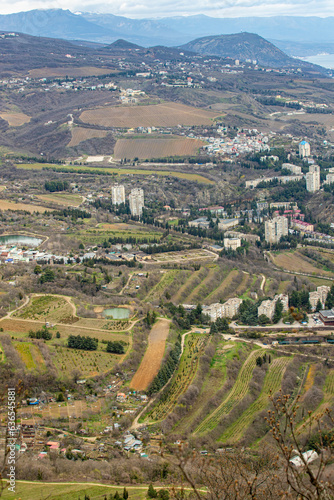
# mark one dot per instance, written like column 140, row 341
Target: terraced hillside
column 271, row 385
column 237, row 393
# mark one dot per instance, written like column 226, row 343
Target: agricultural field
column 62, row 199
column 167, row 277
column 272, row 383
column 153, row 356
column 89, row 363
column 295, row 261
column 110, row 171
column 15, row 119
column 326, row 403
column 50, row 308
column 80, row 134
column 156, row 148
column 71, row 491
column 193, row 349
column 168, row 114
column 23, row 207
column 31, row 356
column 69, row 71
column 237, row 393
column 213, row 383
column 96, row 236
column 183, row 256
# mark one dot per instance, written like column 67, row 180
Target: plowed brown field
column 15, row 119
column 69, row 71
column 156, row 148
column 169, row 114
column 80, row 134
column 151, row 361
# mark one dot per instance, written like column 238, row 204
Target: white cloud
column 161, row 8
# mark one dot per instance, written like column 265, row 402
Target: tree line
column 82, row 342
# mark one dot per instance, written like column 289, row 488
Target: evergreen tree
column 125, row 494
column 151, row 492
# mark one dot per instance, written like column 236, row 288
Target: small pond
column 117, row 313
column 20, row 239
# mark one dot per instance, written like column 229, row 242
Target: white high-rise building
column 304, row 149
column 275, row 228
column 117, row 194
column 313, row 179
column 136, row 200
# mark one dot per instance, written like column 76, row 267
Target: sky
column 163, row 8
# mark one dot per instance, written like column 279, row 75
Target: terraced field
column 193, row 281
column 201, row 290
column 213, row 383
column 237, row 393
column 272, row 383
column 327, row 402
column 220, row 292
column 194, row 347
column 157, row 291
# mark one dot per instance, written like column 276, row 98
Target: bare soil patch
column 69, row 71
column 15, row 119
column 151, row 361
column 158, row 115
column 80, row 134
column 156, row 148
column 11, row 205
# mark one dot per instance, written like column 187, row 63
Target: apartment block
column 304, row 149
column 117, row 194
column 232, row 243
column 294, row 169
column 226, row 310
column 267, row 307
column 275, row 229
column 319, row 294
column 313, row 179
column 136, row 200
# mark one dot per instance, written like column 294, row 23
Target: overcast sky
column 161, row 8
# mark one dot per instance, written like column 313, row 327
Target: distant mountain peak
column 123, row 44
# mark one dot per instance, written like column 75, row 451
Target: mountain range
column 171, row 31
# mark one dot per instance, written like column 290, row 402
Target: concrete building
column 267, row 307
column 313, row 179
column 136, row 200
column 327, row 316
column 226, row 310
column 319, row 294
column 231, row 307
column 330, row 178
column 226, row 223
column 294, row 169
column 302, row 226
column 117, row 194
column 304, row 149
column 275, row 229
column 232, row 243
